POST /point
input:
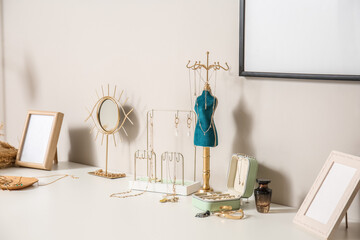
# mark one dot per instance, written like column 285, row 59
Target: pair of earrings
column 188, row 123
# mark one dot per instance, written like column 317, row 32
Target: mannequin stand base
column 102, row 173
column 205, row 190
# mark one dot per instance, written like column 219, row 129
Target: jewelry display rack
column 142, row 155
column 206, row 150
column 151, row 182
column 169, row 157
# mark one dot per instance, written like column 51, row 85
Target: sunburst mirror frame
column 100, row 129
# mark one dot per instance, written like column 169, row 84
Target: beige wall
column 2, row 86
column 58, row 52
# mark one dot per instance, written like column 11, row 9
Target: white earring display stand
column 151, row 182
column 163, row 185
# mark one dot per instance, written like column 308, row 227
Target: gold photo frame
column 331, row 195
column 38, row 146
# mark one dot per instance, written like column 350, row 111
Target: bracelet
column 229, row 214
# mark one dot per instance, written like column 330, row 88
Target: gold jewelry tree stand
column 206, row 150
column 109, row 119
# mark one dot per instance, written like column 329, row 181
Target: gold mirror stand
column 106, row 132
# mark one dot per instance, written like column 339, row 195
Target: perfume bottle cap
column 263, row 181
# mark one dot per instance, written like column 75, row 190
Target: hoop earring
column 188, row 122
column 177, row 123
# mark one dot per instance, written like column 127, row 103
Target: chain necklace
column 61, row 176
column 7, row 183
column 240, row 170
column 173, row 198
column 122, row 194
column 211, row 120
column 150, row 171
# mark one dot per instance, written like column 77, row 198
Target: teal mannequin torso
column 205, row 131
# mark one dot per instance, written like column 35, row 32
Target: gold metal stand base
column 102, row 173
column 205, row 190
column 206, row 171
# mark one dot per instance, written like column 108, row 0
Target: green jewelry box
column 242, row 174
column 241, row 180
column 212, row 201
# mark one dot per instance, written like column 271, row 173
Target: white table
column 82, row 209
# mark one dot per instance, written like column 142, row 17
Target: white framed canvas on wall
column 308, row 39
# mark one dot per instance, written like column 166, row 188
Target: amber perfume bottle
column 263, row 196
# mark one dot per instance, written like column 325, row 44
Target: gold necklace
column 150, row 170
column 211, row 119
column 61, row 176
column 239, row 171
column 7, row 182
column 151, row 173
column 119, row 195
column 173, row 198
column 126, row 193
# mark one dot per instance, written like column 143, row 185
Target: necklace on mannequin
column 211, row 119
column 195, row 84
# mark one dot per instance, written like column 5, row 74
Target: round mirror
column 108, row 115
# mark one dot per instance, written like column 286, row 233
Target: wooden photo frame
column 331, row 195
column 38, row 146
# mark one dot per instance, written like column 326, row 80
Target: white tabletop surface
column 82, row 209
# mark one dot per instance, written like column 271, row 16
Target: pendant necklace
column 150, row 171
column 211, row 119
column 239, row 171
column 173, row 196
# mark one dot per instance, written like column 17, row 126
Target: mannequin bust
column 205, row 131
